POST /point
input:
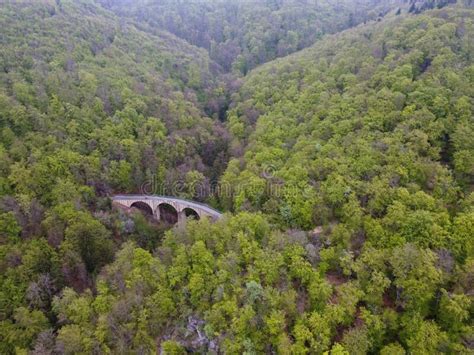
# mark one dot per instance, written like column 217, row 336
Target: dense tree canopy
column 346, row 172
column 240, row 34
column 365, row 134
column 115, row 105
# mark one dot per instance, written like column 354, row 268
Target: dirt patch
column 335, row 278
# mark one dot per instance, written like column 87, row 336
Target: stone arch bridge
column 169, row 209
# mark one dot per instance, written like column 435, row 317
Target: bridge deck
column 191, row 204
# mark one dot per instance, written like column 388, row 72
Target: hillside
column 345, row 173
column 82, row 85
column 89, row 105
column 239, row 35
column 360, row 115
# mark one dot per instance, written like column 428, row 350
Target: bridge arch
column 166, row 208
column 143, row 206
column 191, row 213
column 168, row 213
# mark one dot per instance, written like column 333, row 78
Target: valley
column 335, row 137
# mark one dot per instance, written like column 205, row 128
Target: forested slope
column 89, row 105
column 349, row 195
column 356, row 119
column 241, row 34
column 95, row 91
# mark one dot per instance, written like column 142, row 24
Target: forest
column 336, row 137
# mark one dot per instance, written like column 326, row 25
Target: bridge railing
column 146, row 197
